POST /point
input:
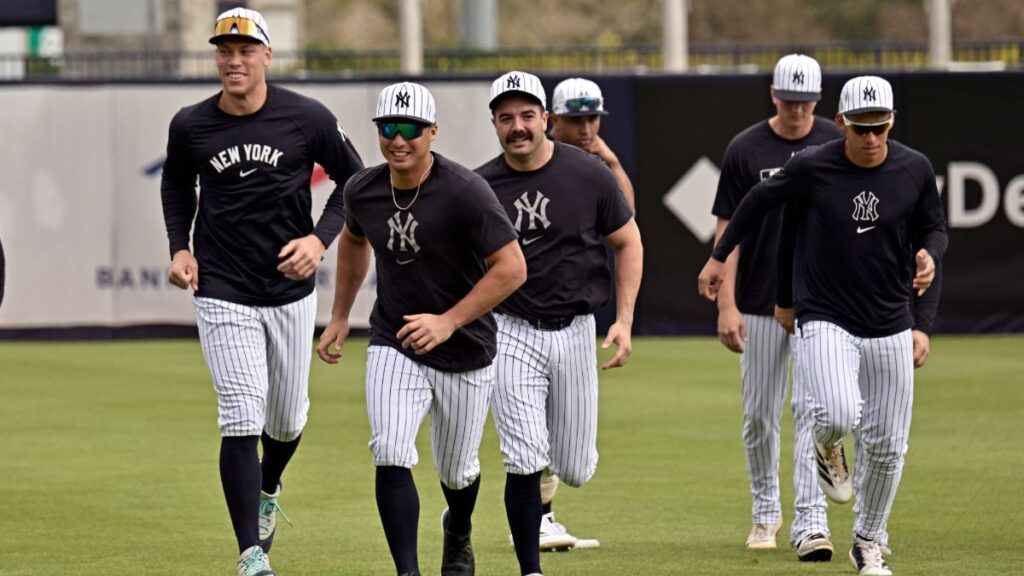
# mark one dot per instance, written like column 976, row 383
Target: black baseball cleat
column 457, row 558
column 815, row 547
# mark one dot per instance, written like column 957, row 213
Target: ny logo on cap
column 869, row 93
column 798, row 77
column 402, row 99
column 512, row 82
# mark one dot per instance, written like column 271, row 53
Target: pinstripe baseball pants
column 401, row 392
column 259, row 359
column 545, row 399
column 865, row 386
column 764, row 369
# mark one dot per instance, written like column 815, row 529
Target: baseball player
column 865, row 212
column 252, row 147
column 565, row 205
column 446, row 254
column 746, row 303
column 577, row 106
column 576, row 110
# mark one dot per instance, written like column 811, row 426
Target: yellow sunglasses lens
column 242, row 26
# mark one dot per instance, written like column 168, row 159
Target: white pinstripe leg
column 764, row 371
column 572, row 403
column 811, row 507
column 832, row 365
column 234, row 344
column 457, row 418
column 520, row 395
column 887, row 385
column 398, row 397
column 289, row 332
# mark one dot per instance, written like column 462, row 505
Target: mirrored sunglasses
column 238, row 25
column 863, row 129
column 584, row 104
column 408, row 130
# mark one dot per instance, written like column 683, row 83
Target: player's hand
column 424, row 332
column 302, row 257
column 184, row 270
column 619, row 334
column 786, row 318
column 925, row 271
column 710, row 279
column 922, row 346
column 599, row 148
column 334, row 335
column 732, row 332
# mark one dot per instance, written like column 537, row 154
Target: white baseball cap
column 406, row 101
column 240, row 23
column 797, row 78
column 577, row 97
column 866, row 94
column 516, row 82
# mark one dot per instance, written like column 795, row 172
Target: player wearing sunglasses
column 446, row 254
column 862, row 238
column 576, row 110
column 251, row 261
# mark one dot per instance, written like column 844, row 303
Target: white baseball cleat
column 554, row 536
column 762, row 536
column 866, row 556
column 833, row 475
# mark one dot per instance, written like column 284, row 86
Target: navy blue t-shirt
column 752, row 157
column 254, row 191
column 856, row 232
column 429, row 254
column 562, row 211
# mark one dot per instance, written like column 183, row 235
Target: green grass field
column 108, row 466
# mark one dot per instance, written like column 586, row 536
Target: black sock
column 240, row 477
column 522, row 504
column 546, row 507
column 399, row 507
column 276, row 455
column 460, row 507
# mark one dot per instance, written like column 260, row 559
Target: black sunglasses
column 408, row 130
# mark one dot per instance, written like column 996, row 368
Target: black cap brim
column 791, row 96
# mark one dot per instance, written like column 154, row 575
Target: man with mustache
column 566, row 206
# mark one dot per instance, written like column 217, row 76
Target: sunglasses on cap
column 584, row 104
column 408, row 130
column 238, row 25
column 864, row 129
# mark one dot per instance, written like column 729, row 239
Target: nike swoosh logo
column 863, row 230
column 528, row 241
column 404, row 262
column 245, row 173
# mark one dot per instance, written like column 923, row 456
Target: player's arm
column 928, row 229
column 179, row 199
column 331, row 148
column 761, row 200
column 784, row 290
column 629, row 268
column 732, row 332
column 506, row 272
column 924, row 308
column 605, row 153
column 354, row 254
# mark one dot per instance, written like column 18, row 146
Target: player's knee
column 459, row 479
column 577, row 477
column 832, row 425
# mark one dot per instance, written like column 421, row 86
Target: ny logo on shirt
column 535, row 210
column 406, row 233
column 865, row 206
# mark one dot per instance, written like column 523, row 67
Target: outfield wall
column 82, row 228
